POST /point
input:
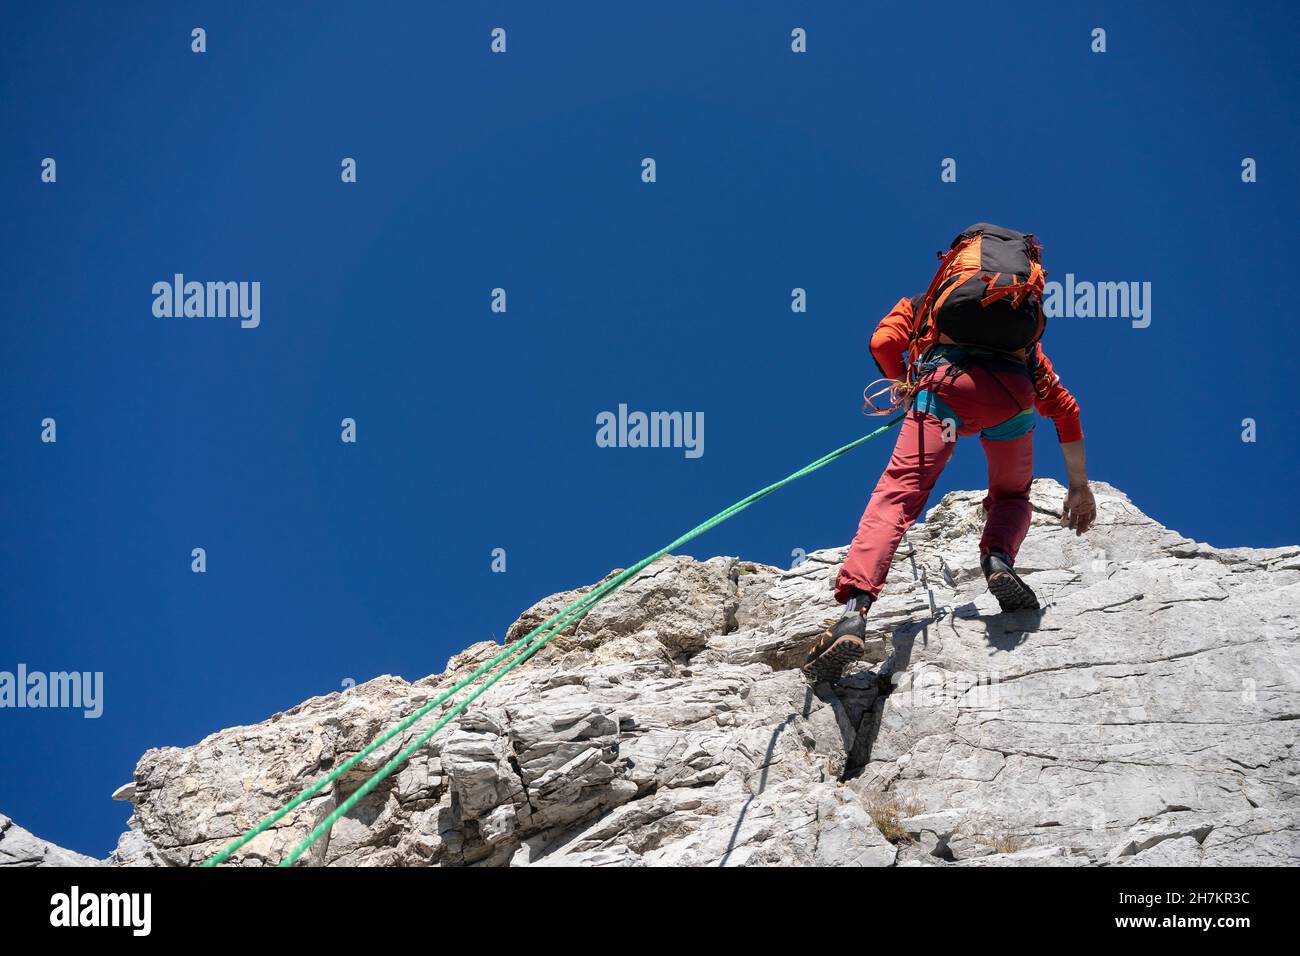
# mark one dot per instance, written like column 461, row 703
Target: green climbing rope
column 515, row 653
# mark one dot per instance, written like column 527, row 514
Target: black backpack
column 988, row 292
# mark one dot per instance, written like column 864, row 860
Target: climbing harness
column 510, row 657
column 903, row 393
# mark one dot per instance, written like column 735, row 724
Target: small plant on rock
column 889, row 812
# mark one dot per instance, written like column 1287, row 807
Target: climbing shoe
column 837, row 648
column 1012, row 593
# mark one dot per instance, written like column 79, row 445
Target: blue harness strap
column 1022, row 423
column 932, row 404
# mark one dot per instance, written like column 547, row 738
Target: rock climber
column 963, row 358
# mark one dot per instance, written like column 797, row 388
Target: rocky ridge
column 1147, row 715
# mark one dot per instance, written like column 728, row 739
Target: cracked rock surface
column 1147, row 715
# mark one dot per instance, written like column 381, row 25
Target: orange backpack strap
column 924, row 332
column 1017, row 290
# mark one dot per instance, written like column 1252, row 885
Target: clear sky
column 476, row 430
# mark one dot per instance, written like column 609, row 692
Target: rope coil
column 895, row 392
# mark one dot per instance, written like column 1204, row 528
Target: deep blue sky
column 476, row 430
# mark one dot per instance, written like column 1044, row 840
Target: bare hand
column 1079, row 511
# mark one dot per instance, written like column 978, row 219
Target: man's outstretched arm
column 1079, row 510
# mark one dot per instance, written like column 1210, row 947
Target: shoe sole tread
column 831, row 664
column 1012, row 595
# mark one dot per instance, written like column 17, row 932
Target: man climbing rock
column 965, row 358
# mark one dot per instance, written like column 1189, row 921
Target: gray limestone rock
column 1146, row 715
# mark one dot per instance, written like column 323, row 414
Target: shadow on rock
column 762, row 780
column 1004, row 630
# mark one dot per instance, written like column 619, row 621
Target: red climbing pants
column 996, row 403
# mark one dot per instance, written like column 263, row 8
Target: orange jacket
column 894, row 333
